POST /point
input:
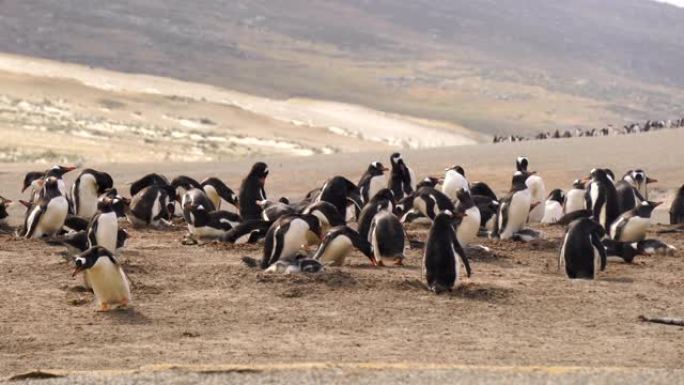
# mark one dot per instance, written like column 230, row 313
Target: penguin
column 105, row 275
column 521, row 163
column 601, row 198
column 626, row 251
column 285, row 237
column 677, row 208
column 87, row 187
column 575, row 198
column 372, row 181
column 402, row 180
column 249, row 231
column 443, row 254
column 654, row 246
column 638, row 179
column 483, row 189
column 582, row 254
column 388, row 238
column 300, row 264
column 77, row 242
column 31, row 180
column 74, row 223
column 274, row 210
column 427, row 200
column 454, row 180
column 337, row 192
column 46, row 217
column 151, row 206
column 428, row 181
column 205, row 224
column 218, row 192
column 489, row 208
column 338, row 243
column 4, row 203
column 535, row 183
column 149, row 180
column 58, row 173
column 368, row 214
column 181, row 185
column 469, row 226
column 632, row 225
column 326, row 213
column 196, row 197
column 253, row 190
column 103, row 228
column 515, row 207
column 554, row 207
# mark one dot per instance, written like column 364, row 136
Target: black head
column 59, row 171
column 588, row 226
column 185, row 182
column 377, row 168
column 429, row 181
column 259, row 171
column 600, row 175
column 519, row 179
column 383, row 194
column 30, row 178
column 50, row 187
column 449, row 218
column 556, row 195
column 106, row 204
column 578, row 184
column 521, row 163
column 645, row 208
column 456, row 168
column 395, row 159
column 88, row 258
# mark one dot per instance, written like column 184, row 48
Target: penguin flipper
column 461, row 253
column 92, row 231
column 619, row 228
column 596, row 242
column 33, row 219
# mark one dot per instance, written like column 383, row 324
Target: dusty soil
column 199, row 305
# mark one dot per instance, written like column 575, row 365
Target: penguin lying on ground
column 151, row 180
column 181, row 186
column 105, row 275
column 87, row 187
column 274, row 210
column 47, row 215
column 300, row 264
column 575, row 198
column 582, row 254
column 443, row 254
column 204, row 224
column 338, row 243
column 632, row 225
column 151, row 206
column 77, row 242
column 249, row 231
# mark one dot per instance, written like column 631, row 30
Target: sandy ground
column 198, row 305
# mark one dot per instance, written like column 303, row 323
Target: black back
column 252, row 190
column 439, row 259
column 481, row 188
column 148, row 180
column 677, row 208
column 577, row 251
column 336, row 191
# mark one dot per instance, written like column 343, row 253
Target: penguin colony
column 604, row 216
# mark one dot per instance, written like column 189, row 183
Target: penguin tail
column 250, row 262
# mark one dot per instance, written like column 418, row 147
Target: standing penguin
column 402, row 180
column 106, row 277
column 575, row 198
column 285, row 238
column 535, row 183
column 388, row 238
column 554, row 207
column 368, row 213
column 443, row 254
column 677, row 208
column 632, row 189
column 632, row 225
column 218, row 192
column 47, row 215
column 32, row 179
column 103, row 229
column 337, row 244
column 601, row 198
column 372, row 181
column 87, row 187
column 454, row 180
column 582, row 254
column 470, row 224
column 58, row 173
column 514, row 208
column 253, row 190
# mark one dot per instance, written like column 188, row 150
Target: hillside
column 495, row 66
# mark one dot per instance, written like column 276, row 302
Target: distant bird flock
column 633, row 128
column 603, row 215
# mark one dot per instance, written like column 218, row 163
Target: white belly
column 107, row 231
column 376, row 184
column 213, row 196
column 206, row 232
column 87, row 197
column 294, row 239
column 337, row 251
column 635, row 230
column 53, row 218
column 109, row 283
column 553, row 212
column 518, row 210
column 538, row 192
column 575, row 201
column 453, row 181
column 469, row 227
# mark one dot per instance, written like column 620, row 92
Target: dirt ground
column 199, row 305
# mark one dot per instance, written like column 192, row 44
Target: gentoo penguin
column 632, row 189
column 575, row 198
column 677, row 208
column 454, row 180
column 601, row 198
column 427, row 200
column 149, row 180
column 58, row 173
column 488, row 208
column 337, row 192
column 31, row 180
column 368, row 213
column 46, row 216
column 104, row 227
column 515, row 207
column 402, row 180
column 521, row 163
column 249, row 231
column 388, row 238
column 338, row 243
column 301, row 263
column 582, row 254
column 428, row 181
column 285, row 238
column 626, row 251
column 106, row 277
column 4, row 203
column 181, row 185
column 273, row 210
column 326, row 213
column 372, row 181
column 632, row 225
column 195, row 197
column 151, row 206
column 74, row 223
column 253, row 190
column 77, row 242
column 218, row 192
column 554, row 207
column 483, row 189
column 470, row 224
column 443, row 254
column 87, row 187
column 535, row 183
column 205, row 224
